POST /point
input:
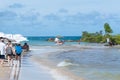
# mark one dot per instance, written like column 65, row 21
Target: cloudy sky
column 58, row 17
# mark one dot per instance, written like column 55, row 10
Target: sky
column 58, row 17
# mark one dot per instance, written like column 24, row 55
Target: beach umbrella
column 15, row 38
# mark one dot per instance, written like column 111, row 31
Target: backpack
column 9, row 50
column 18, row 49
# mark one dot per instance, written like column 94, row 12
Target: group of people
column 9, row 51
column 58, row 41
column 109, row 42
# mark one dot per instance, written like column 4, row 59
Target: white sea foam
column 63, row 75
column 57, row 76
column 65, row 63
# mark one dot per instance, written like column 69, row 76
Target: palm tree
column 108, row 29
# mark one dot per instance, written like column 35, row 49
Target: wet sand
column 32, row 71
column 28, row 70
column 5, row 71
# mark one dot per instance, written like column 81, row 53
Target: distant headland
column 99, row 37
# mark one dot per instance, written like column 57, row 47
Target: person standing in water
column 58, row 41
column 25, row 47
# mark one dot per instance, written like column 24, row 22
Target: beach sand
column 28, row 71
column 5, row 71
column 32, row 71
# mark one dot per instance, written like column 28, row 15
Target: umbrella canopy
column 15, row 38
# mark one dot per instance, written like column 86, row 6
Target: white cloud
column 52, row 17
column 16, row 5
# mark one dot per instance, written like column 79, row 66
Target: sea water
column 92, row 64
column 89, row 61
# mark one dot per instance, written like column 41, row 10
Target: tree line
column 99, row 37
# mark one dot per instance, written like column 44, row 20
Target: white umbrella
column 15, row 38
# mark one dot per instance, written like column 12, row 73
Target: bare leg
column 8, row 59
column 19, row 59
column 2, row 61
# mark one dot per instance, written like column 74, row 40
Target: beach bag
column 9, row 50
column 18, row 49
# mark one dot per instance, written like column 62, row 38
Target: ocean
column 87, row 61
column 43, row 40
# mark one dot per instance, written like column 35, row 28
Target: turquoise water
column 93, row 62
column 43, row 40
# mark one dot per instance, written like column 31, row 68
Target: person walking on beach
column 2, row 51
column 18, row 51
column 9, row 52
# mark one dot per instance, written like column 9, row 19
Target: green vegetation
column 116, row 39
column 99, row 37
column 107, row 28
column 89, row 37
column 92, row 37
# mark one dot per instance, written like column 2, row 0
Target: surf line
column 14, row 75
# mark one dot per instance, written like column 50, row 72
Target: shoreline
column 44, row 63
column 58, row 73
